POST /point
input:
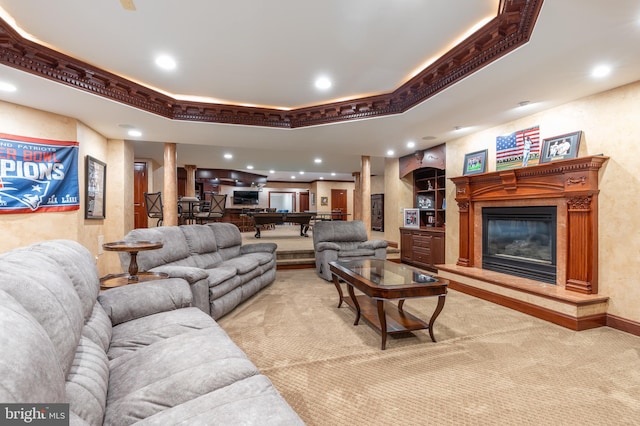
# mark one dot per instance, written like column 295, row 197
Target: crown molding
column 510, row 29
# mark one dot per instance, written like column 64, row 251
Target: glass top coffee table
column 382, row 281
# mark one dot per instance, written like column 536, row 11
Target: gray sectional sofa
column 221, row 271
column 138, row 353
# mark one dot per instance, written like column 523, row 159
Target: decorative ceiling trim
column 510, row 29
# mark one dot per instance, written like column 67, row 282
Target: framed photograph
column 475, row 162
column 411, row 218
column 560, row 147
column 518, row 149
column 324, row 201
column 426, row 202
column 95, row 183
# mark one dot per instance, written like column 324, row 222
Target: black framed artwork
column 95, row 184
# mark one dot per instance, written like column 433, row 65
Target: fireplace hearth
column 520, row 241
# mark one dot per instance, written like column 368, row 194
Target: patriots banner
column 519, row 149
column 38, row 175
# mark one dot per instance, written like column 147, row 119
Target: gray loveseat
column 137, row 353
column 343, row 240
column 221, row 271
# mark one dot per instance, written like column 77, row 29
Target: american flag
column 510, row 146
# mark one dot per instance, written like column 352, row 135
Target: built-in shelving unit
column 424, row 246
column 429, row 191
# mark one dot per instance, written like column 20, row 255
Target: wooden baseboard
column 296, row 266
column 623, row 324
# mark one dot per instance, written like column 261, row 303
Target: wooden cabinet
column 377, row 212
column 423, row 248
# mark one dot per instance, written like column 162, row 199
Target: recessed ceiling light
column 390, row 152
column 333, row 174
column 228, row 156
column 135, row 133
column 321, row 178
column 411, row 144
column 272, row 171
column 301, row 172
column 323, row 83
column 250, row 167
column 601, row 71
column 7, row 87
column 293, row 177
column 166, row 62
column 318, row 160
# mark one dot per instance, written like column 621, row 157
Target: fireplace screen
column 520, row 241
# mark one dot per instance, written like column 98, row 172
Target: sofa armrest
column 189, row 273
column 258, row 248
column 130, row 302
column 327, row 245
column 374, row 244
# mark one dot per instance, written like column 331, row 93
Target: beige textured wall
column 398, row 195
column 610, row 124
column 23, row 229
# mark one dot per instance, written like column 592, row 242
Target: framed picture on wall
column 561, row 147
column 411, row 218
column 475, row 162
column 95, row 183
column 324, row 201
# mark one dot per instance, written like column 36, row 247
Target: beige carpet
column 490, row 366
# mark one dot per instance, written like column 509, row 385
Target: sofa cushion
column 29, row 367
column 79, row 266
column 46, row 292
column 174, row 249
column 87, row 382
column 240, row 403
column 200, row 238
column 228, row 238
column 338, row 231
column 224, row 287
column 134, row 301
column 243, row 264
column 176, row 360
column 130, row 336
column 98, row 327
column 261, row 258
column 202, row 245
column 220, row 275
column 355, row 253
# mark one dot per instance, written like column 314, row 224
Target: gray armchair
column 342, row 240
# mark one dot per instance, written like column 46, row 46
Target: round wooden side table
column 132, row 276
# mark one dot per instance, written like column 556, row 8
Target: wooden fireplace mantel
column 574, row 180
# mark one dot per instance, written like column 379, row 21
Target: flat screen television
column 246, row 197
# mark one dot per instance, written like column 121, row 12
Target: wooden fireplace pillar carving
column 575, row 181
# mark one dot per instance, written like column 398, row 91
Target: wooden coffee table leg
column 383, row 323
column 336, row 282
column 355, row 303
column 432, row 321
